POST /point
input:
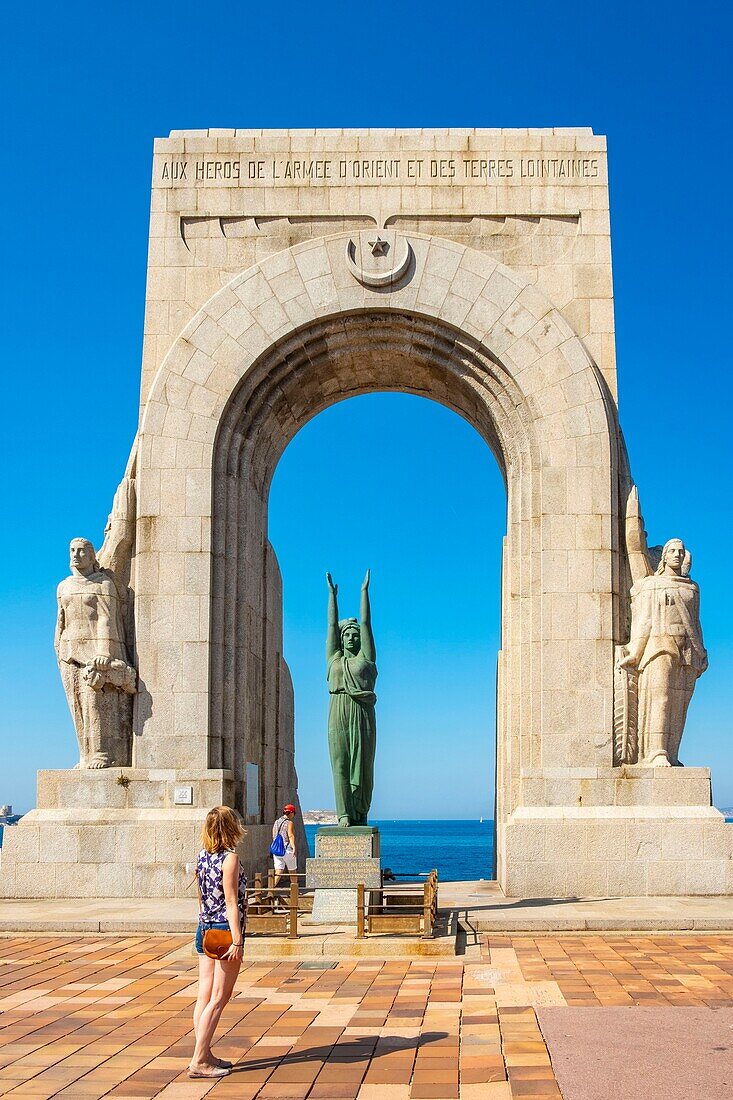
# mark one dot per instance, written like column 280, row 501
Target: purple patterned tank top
column 211, row 884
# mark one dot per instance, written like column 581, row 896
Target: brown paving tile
column 434, row 1092
column 272, row 1091
column 534, row 1090
column 333, row 1092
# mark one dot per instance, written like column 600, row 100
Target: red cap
column 289, row 809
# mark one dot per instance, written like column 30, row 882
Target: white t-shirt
column 281, row 826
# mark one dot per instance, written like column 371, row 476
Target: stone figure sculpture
column 666, row 653
column 93, row 640
column 352, row 728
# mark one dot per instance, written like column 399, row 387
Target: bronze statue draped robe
column 352, row 734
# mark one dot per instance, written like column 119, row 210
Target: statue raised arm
column 637, row 550
column 333, row 637
column 119, row 534
column 367, row 638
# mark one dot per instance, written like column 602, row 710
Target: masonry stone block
column 706, row 876
column 154, row 881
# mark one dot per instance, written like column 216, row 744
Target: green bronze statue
column 352, row 725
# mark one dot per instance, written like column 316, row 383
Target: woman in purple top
column 222, row 892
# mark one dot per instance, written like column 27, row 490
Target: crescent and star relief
column 378, row 259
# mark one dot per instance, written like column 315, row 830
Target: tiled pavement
column 84, row 1018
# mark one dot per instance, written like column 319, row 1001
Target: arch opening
column 407, row 487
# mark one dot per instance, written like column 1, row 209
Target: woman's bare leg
column 225, row 975
column 206, row 982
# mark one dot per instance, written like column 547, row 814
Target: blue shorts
column 199, row 940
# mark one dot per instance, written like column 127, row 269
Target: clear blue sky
column 87, row 87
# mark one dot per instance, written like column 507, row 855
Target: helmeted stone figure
column 91, row 644
column 666, row 647
column 352, row 728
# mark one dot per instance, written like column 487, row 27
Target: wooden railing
column 275, row 909
column 401, row 910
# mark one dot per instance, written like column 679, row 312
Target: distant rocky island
column 320, row 817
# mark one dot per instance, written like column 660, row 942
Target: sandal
column 221, row 1062
column 211, row 1071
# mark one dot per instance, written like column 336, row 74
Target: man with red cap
column 289, row 859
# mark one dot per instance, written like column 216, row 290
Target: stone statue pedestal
column 629, row 831
column 118, row 832
column 344, row 859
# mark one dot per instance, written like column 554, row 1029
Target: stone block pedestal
column 625, row 832
column 345, row 857
column 118, row 832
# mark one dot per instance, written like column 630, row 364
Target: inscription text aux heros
column 208, row 168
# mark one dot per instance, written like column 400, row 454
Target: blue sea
column 461, row 851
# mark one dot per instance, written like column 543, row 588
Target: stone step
column 112, row 916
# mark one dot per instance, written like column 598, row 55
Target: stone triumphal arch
column 291, row 270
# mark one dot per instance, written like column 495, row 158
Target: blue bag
column 277, row 848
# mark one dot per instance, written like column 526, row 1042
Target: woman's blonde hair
column 222, row 829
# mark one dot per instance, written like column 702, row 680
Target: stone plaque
column 356, row 842
column 342, row 874
column 183, row 796
column 334, row 907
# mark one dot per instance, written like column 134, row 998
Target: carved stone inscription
column 342, row 874
column 246, row 171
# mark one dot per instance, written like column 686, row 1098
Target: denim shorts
column 199, row 940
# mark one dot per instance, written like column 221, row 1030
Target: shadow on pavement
column 355, row 1050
